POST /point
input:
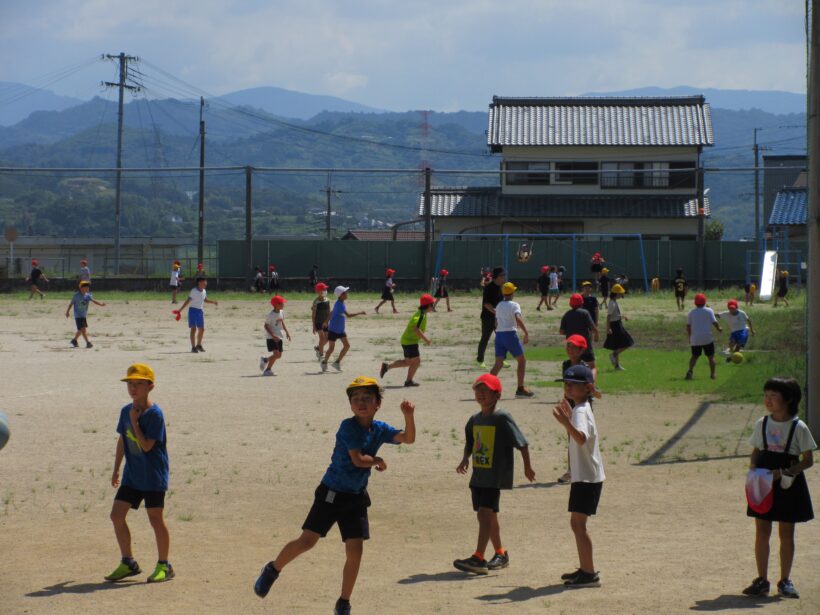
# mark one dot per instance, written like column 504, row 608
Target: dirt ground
column 247, row 452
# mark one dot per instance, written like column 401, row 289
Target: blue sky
column 444, row 55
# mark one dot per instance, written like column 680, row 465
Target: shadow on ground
column 80, row 588
column 732, row 601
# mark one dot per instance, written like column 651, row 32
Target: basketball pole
column 813, row 229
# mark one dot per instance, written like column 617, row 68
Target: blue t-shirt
column 80, row 302
column 337, row 318
column 342, row 475
column 145, row 471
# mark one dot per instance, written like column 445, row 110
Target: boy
column 336, row 328
column 553, row 291
column 491, row 436
column 577, row 321
column 574, row 413
column 590, row 301
column 341, row 497
column 85, row 272
column 319, row 315
column 258, row 279
column 740, row 326
column 603, row 284
column 507, row 320
column 176, row 280
column 34, row 278
column 142, row 443
column 543, row 284
column 273, row 278
column 680, row 286
column 80, row 302
column 387, row 291
column 413, row 333
column 441, row 290
column 782, row 289
column 699, row 325
column 749, row 290
column 198, row 297
column 275, row 329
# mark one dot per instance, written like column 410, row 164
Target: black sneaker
column 759, row 587
column 523, row 393
column 411, row 383
column 786, row 589
column 265, row 580
column 472, row 564
column 570, row 575
column 200, row 348
column 89, row 345
column 193, row 349
column 383, row 370
column 342, row 607
column 584, row 579
column 74, row 343
column 499, row 561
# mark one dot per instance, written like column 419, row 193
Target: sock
column 162, row 561
column 343, row 601
column 479, row 555
column 129, row 561
column 500, row 551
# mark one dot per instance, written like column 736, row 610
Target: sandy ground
column 247, row 452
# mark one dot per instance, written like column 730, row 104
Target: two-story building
column 587, row 165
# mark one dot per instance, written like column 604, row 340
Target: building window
column 681, row 178
column 576, row 173
column 528, row 173
column 621, row 174
column 656, row 175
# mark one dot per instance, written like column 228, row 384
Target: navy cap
column 578, row 373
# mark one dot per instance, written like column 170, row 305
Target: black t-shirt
column 36, row 274
column 679, row 284
column 492, row 295
column 604, row 282
column 784, row 283
column 577, row 322
column 591, row 306
column 543, row 283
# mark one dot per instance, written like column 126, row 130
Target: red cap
column 578, row 340
column 177, row 263
column 490, row 381
column 444, row 272
column 576, row 301
column 732, row 303
column 321, row 286
column 545, row 268
column 34, row 262
column 700, row 299
column 271, row 267
column 200, row 266
column 390, row 272
column 278, row 300
column 426, row 299
column 83, row 262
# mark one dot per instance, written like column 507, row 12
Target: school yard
column 247, row 452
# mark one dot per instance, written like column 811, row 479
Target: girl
column 387, row 291
column 617, row 339
column 319, row 316
column 779, row 440
column 441, row 290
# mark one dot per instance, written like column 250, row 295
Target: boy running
column 198, row 297
column 85, row 272
column 319, row 315
column 740, row 326
column 507, row 321
column 336, row 328
column 441, row 290
column 80, row 302
column 34, row 279
column 387, row 291
column 413, row 333
column 590, row 300
column 275, row 330
column 699, row 325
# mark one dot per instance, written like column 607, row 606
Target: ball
column 4, row 430
column 737, row 357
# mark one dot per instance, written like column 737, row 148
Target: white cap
column 340, row 290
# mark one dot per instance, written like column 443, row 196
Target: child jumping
column 336, row 328
column 319, row 315
column 198, row 297
column 142, row 443
column 275, row 330
column 699, row 325
column 779, row 440
column 387, row 291
column 80, row 302
column 413, row 333
column 740, row 326
column 341, row 498
column 491, row 436
column 508, row 320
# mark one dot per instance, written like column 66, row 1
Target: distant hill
column 17, row 101
column 288, row 103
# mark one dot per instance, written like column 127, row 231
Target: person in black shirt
column 35, row 277
column 578, row 321
column 313, row 277
column 590, row 301
column 782, row 289
column 490, row 298
column 603, row 285
column 543, row 286
column 680, row 285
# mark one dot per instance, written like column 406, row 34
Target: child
column 200, row 271
column 486, row 277
column 596, row 265
column 749, row 289
column 85, row 272
column 779, row 440
column 543, row 288
column 176, row 280
column 441, row 290
column 617, row 339
column 553, row 291
column 341, row 497
column 699, row 325
column 313, row 276
column 142, row 443
column 336, row 328
column 259, row 279
column 80, row 302
column 273, row 279
column 782, row 289
column 577, row 321
column 198, row 297
column 34, row 279
column 603, row 284
column 491, row 436
column 387, row 291
column 319, row 315
column 740, row 326
column 275, row 330
column 680, row 286
column 574, row 412
column 410, row 342
column 561, row 271
column 590, row 300
column 507, row 320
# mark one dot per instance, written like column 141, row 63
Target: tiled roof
column 384, row 235
column 674, row 121
column 790, row 207
column 489, row 202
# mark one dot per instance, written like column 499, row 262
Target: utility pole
column 123, row 60
column 249, row 220
column 756, row 150
column 428, row 226
column 813, row 223
column 327, row 216
column 200, row 243
column 701, row 260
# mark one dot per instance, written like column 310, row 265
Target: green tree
column 714, row 230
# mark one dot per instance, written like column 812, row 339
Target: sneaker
column 383, row 370
column 472, row 564
column 89, row 345
column 342, row 607
column 263, row 361
column 124, row 571
column 318, row 352
column 193, row 349
column 584, row 579
column 266, row 578
column 411, row 383
column 269, row 372
column 613, row 359
column 565, row 479
column 499, row 561
column 506, row 363
column 688, row 375
column 324, row 366
column 759, row 587
column 481, row 365
column 620, row 368
column 523, row 392
column 162, row 573
column 74, row 343
column 200, row 348
column 337, row 366
column 570, row 575
column 785, row 589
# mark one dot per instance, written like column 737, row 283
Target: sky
column 444, row 55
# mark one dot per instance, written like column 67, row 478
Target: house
column 383, row 235
column 780, row 171
column 586, row 165
column 788, row 217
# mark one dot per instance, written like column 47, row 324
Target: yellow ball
column 737, row 357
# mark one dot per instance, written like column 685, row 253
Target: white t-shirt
column 197, row 298
column 274, row 321
column 701, row 320
column 613, row 311
column 585, row 463
column 553, row 280
column 174, row 277
column 737, row 322
column 777, row 432
column 505, row 313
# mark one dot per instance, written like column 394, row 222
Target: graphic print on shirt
column 483, row 446
column 132, row 443
column 776, row 440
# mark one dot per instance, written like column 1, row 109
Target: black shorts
column 707, row 349
column 348, row 510
column 411, row 351
column 588, row 356
column 153, row 499
column 584, row 498
column 596, row 267
column 82, row 323
column 680, row 294
column 387, row 295
column 172, row 287
column 747, row 288
column 320, row 325
column 485, row 497
column 274, row 345
column 782, row 292
column 441, row 293
column 332, row 336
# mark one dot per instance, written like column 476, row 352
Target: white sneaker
column 337, row 366
column 318, row 352
column 324, row 366
column 268, row 372
column 263, row 361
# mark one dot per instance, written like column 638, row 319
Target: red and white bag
column 760, row 490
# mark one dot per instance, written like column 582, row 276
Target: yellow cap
column 784, row 272
column 139, row 371
column 508, row 289
column 586, row 283
column 85, row 283
column 604, row 270
column 363, row 381
column 617, row 289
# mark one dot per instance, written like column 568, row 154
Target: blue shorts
column 196, row 318
column 507, row 341
column 739, row 337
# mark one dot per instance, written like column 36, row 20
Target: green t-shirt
column 409, row 337
column 491, row 442
column 322, row 305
